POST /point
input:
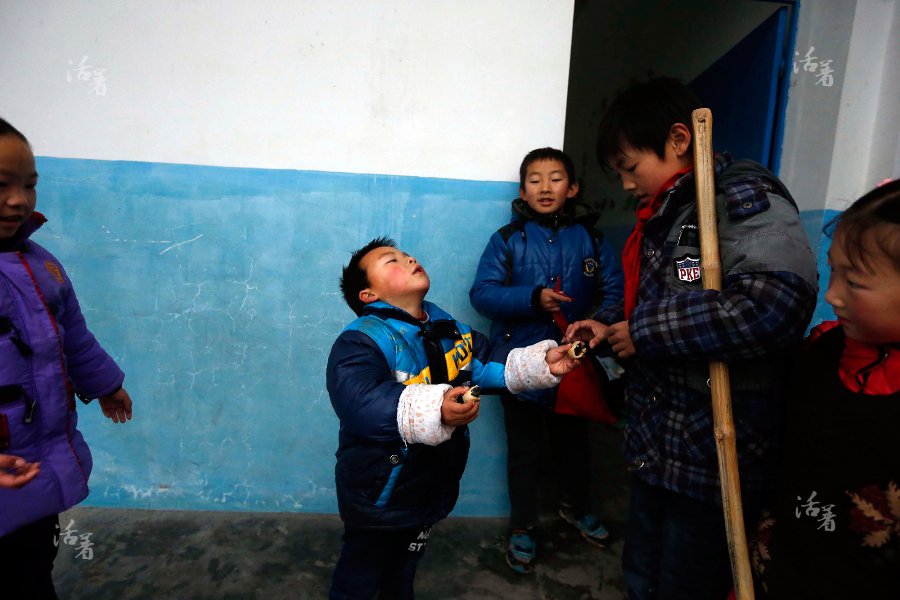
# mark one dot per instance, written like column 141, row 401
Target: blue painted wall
column 216, row 290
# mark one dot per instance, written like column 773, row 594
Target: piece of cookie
column 578, row 350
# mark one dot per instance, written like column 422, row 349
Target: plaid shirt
column 753, row 323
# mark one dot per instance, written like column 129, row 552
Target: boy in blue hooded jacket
column 549, row 259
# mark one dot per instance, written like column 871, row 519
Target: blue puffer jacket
column 381, row 481
column 532, row 253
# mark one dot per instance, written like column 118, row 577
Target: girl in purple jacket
column 47, row 356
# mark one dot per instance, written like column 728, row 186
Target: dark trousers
column 675, row 547
column 379, row 563
column 26, row 561
column 527, row 425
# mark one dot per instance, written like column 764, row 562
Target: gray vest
column 768, row 241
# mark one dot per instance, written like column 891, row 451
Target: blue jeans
column 378, row 562
column 675, row 547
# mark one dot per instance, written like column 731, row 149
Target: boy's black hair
column 641, row 115
column 7, row 129
column 868, row 221
column 546, row 154
column 354, row 279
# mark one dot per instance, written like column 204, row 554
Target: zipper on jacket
column 30, row 406
column 24, row 349
column 6, row 326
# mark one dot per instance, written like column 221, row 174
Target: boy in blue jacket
column 396, row 377
column 669, row 327
column 549, row 259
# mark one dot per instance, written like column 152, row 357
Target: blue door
column 746, row 90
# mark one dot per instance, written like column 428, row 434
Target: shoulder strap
column 510, row 229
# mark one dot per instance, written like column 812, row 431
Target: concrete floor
column 189, row 555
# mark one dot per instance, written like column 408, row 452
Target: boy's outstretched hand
column 16, row 472
column 454, row 413
column 619, row 338
column 117, row 406
column 593, row 333
column 588, row 331
column 559, row 361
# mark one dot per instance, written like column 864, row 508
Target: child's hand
column 559, row 361
column 15, row 472
column 619, row 338
column 454, row 413
column 117, row 406
column 551, row 300
column 589, row 331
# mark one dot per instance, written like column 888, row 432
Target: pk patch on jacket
column 687, row 268
column 589, row 266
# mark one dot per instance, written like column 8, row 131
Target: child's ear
column 679, row 139
column 521, row 192
column 367, row 296
column 573, row 190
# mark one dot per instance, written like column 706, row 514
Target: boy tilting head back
column 396, row 376
column 675, row 542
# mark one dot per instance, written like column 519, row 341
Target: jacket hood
column 746, row 171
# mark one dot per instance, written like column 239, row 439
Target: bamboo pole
column 720, row 386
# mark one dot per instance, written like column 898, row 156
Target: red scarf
column 631, row 253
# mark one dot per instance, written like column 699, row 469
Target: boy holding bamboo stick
column 670, row 328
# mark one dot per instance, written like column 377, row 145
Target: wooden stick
column 720, row 386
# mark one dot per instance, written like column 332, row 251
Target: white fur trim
column 419, row 415
column 527, row 368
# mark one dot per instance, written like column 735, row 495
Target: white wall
column 841, row 140
column 456, row 89
column 868, row 128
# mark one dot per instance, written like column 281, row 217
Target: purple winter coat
column 46, row 355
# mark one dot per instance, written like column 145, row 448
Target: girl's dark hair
column 546, row 154
column 7, row 129
column 354, row 279
column 641, row 116
column 873, row 219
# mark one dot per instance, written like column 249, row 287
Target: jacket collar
column 34, row 222
column 573, row 211
column 388, row 311
column 744, row 183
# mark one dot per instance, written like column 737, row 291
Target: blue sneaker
column 588, row 526
column 521, row 550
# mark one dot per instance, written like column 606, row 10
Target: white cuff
column 527, row 368
column 419, row 415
